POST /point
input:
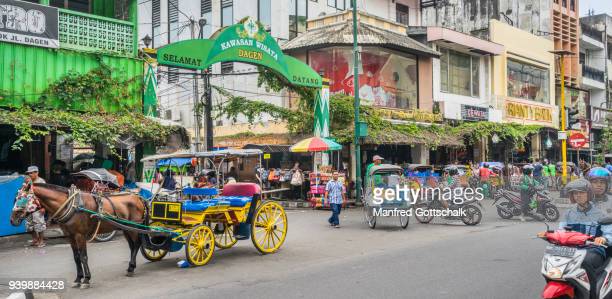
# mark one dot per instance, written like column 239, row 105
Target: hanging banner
column 149, row 100
column 321, row 113
column 29, row 24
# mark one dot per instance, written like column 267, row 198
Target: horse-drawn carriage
column 200, row 219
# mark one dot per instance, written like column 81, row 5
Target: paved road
column 497, row 259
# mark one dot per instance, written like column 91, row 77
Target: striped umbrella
column 315, row 144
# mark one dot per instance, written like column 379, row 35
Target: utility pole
column 561, row 54
column 357, row 148
column 196, row 96
column 208, row 123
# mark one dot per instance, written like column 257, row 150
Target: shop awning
column 341, row 34
column 269, row 148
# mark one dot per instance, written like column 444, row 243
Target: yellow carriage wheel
column 224, row 235
column 150, row 254
column 269, row 227
column 200, row 245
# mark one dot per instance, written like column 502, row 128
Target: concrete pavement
column 496, row 259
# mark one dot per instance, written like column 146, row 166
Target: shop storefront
column 523, row 85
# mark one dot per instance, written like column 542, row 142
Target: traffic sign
column 577, row 140
column 562, row 135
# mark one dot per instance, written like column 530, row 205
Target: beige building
column 523, row 82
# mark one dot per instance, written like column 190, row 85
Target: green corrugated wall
column 26, row 72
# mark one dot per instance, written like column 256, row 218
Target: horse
column 77, row 225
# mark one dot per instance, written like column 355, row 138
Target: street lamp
column 147, row 40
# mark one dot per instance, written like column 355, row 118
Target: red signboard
column 577, row 140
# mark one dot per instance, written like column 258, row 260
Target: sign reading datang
column 29, row 24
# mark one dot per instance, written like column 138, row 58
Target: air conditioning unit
column 177, row 116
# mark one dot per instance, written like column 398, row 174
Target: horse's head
column 25, row 203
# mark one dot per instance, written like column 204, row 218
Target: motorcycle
column 508, row 204
column 470, row 212
column 562, row 266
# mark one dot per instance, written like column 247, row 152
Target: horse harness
column 75, row 203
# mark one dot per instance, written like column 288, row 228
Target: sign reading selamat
column 528, row 112
column 246, row 42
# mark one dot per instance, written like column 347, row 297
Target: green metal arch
column 244, row 42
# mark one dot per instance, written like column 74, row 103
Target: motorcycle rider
column 583, row 218
column 600, row 178
column 527, row 186
column 452, row 181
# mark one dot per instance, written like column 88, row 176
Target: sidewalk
column 53, row 235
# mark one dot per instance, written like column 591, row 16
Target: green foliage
column 253, row 110
column 98, row 85
column 516, row 133
column 606, row 140
column 85, row 128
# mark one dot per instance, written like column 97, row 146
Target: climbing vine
column 97, row 86
column 86, row 128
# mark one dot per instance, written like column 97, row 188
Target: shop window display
column 527, row 82
column 386, row 79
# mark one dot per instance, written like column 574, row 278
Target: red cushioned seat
column 241, row 189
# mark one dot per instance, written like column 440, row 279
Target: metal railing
column 593, row 73
column 91, row 33
column 591, row 32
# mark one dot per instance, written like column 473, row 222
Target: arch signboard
column 245, row 42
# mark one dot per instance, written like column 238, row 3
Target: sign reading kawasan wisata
column 246, row 42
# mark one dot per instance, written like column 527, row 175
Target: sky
column 600, row 6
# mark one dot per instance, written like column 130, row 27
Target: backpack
column 296, row 178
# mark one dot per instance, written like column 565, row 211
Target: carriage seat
column 236, row 201
column 198, row 205
column 241, row 189
column 200, row 191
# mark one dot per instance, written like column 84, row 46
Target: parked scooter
column 562, row 266
column 508, row 204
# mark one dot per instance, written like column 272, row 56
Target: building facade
column 168, row 21
column 67, row 37
column 596, row 61
column 524, row 88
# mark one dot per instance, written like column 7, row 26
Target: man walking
column 334, row 193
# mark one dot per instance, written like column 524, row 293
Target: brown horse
column 79, row 227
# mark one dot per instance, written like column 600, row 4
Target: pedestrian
column 538, row 170
column 35, row 222
column 297, row 180
column 335, row 195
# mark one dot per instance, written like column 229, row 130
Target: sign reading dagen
column 245, row 42
column 29, row 24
